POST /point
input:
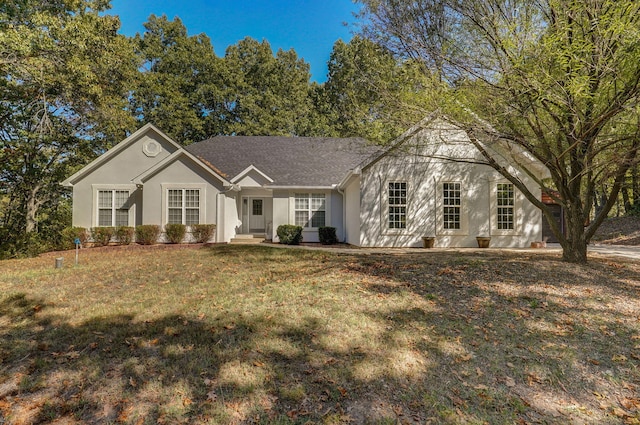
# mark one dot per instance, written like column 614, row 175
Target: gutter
column 332, row 187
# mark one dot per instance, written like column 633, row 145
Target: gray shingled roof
column 289, row 161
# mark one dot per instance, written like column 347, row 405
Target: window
column 451, row 206
column 505, row 204
column 183, row 206
column 113, row 207
column 397, row 205
column 505, row 200
column 257, row 207
column 310, row 209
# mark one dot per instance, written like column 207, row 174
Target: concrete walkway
column 621, row 251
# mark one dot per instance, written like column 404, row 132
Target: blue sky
column 309, row 26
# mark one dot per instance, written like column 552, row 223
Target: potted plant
column 483, row 241
column 428, row 241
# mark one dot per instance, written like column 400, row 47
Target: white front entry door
column 253, row 215
column 256, row 215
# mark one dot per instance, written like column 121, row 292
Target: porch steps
column 247, row 239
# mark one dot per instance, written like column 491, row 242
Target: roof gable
column 438, row 137
column 146, row 130
column 254, row 174
column 142, row 178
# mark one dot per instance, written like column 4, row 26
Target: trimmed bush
column 327, row 235
column 289, row 234
column 124, row 235
column 147, row 234
column 70, row 234
column 202, row 232
column 175, row 232
column 102, row 235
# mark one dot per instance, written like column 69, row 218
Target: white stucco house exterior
column 427, row 183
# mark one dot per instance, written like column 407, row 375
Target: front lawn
column 234, row 334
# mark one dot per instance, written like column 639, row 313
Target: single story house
column 427, row 183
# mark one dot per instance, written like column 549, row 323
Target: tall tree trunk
column 32, row 205
column 600, row 200
column 626, row 200
column 574, row 246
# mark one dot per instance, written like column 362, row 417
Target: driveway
column 620, row 251
column 624, row 251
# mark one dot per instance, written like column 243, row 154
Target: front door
column 256, row 215
column 253, row 215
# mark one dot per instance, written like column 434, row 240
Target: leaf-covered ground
column 264, row 335
column 619, row 231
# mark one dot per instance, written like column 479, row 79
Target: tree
column 64, row 74
column 178, row 86
column 558, row 79
column 369, row 94
column 263, row 93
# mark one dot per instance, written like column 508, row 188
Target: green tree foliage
column 179, row 83
column 372, row 95
column 559, row 79
column 265, row 94
column 64, row 75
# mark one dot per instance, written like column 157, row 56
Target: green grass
column 287, row 336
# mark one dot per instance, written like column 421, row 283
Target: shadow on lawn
column 561, row 338
column 486, row 341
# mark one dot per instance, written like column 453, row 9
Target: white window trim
column 517, row 210
column 327, row 207
column 464, row 209
column 95, row 211
column 384, row 218
column 176, row 186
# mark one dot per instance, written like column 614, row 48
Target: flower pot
column 428, row 241
column 483, row 242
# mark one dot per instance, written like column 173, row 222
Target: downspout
column 219, row 218
column 489, row 184
column 435, row 207
column 344, row 214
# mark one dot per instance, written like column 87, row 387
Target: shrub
column 202, row 232
column 327, row 235
column 175, row 232
column 21, row 245
column 102, row 235
column 124, row 235
column 147, row 234
column 70, row 234
column 289, row 234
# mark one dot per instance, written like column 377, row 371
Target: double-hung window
column 451, row 206
column 310, row 209
column 113, row 208
column 505, row 206
column 183, row 206
column 397, row 199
